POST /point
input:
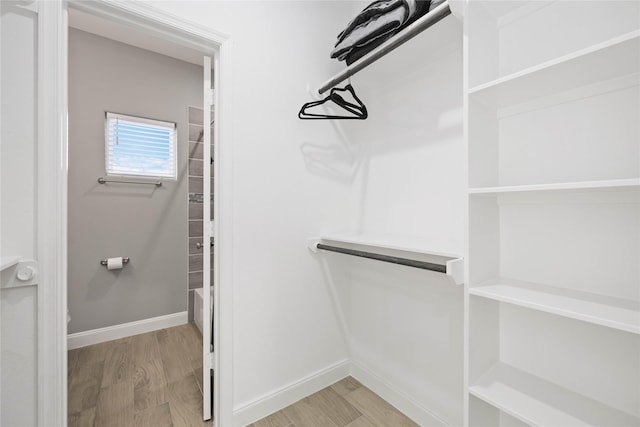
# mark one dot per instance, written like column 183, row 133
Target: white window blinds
column 140, row 147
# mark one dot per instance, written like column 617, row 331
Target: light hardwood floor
column 152, row 379
column 346, row 403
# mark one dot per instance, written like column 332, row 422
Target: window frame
column 171, row 126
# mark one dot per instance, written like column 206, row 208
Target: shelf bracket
column 312, row 244
column 455, row 269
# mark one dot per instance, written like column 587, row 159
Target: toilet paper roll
column 114, row 263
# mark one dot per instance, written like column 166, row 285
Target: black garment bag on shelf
column 358, row 111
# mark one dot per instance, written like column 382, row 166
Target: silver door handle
column 199, row 245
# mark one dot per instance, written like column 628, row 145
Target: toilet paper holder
column 125, row 260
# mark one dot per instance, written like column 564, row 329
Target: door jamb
column 51, row 225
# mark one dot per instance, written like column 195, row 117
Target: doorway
column 120, row 199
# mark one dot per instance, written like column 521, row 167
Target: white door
column 208, row 234
column 18, row 195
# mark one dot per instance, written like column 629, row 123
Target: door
column 208, row 235
column 18, row 217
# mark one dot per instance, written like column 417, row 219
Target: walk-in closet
column 343, row 214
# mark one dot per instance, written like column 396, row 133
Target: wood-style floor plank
column 149, row 385
column 334, row 406
column 157, row 416
column 174, row 353
column 278, row 419
column 93, row 353
column 72, row 361
column 149, row 382
column 377, row 409
column 362, row 421
column 154, row 379
column 346, row 386
column 87, row 371
column 83, row 395
column 115, row 399
column 118, row 365
column 144, row 347
column 346, row 403
column 125, row 382
column 83, row 419
column 122, row 418
column 193, row 339
column 197, row 373
column 84, row 386
column 303, row 414
column 185, row 402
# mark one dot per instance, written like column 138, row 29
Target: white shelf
column 605, row 61
column 425, row 22
column 442, row 251
column 597, row 309
column 614, row 184
column 541, row 403
column 8, row 261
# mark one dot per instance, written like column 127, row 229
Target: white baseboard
column 285, row 396
column 405, row 404
column 95, row 336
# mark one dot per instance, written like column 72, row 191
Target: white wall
column 285, row 327
column 401, row 171
column 406, row 325
column 18, row 131
column 17, row 217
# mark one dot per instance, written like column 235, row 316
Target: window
column 140, row 147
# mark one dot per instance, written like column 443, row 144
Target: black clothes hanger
column 358, row 111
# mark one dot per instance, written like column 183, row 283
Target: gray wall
column 146, row 223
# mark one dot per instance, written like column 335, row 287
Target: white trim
column 52, row 213
column 223, row 232
column 291, row 393
column 405, row 404
column 206, row 237
column 465, row 136
column 160, row 124
column 155, row 22
column 95, row 336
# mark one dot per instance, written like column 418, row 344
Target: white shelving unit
column 442, row 252
column 552, row 280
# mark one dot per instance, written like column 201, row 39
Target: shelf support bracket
column 312, row 244
column 455, row 269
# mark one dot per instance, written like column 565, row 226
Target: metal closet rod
column 408, row 33
column 385, row 258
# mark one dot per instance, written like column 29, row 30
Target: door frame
column 52, row 191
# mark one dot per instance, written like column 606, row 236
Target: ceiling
column 127, row 34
